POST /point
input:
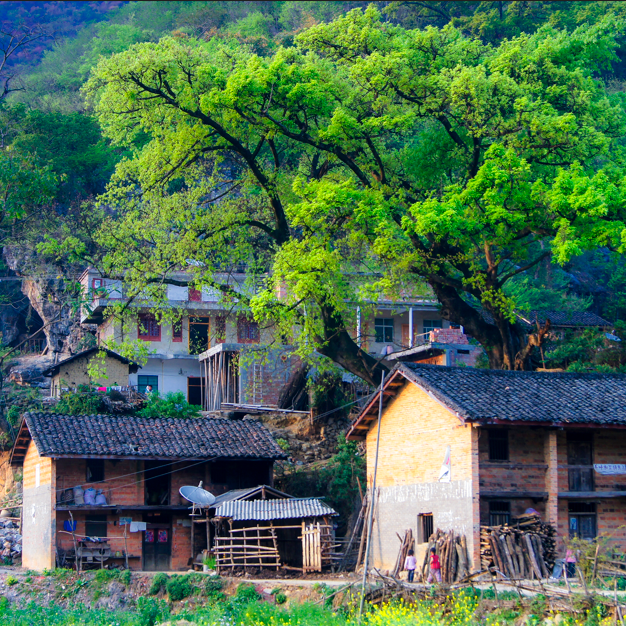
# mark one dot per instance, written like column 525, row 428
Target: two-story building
column 460, row 447
column 218, row 353
column 116, row 479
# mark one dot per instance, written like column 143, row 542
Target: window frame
column 384, row 325
column 498, row 437
column 155, row 384
column 145, row 323
column 177, row 331
column 425, row 527
column 94, row 466
column 431, row 324
column 245, row 323
column 499, row 516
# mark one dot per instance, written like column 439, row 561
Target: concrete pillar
column 552, row 477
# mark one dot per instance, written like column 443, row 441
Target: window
column 95, row 470
column 148, row 328
column 582, row 520
column 220, row 329
column 580, row 456
column 462, row 351
column 247, row 331
column 195, row 295
column 383, row 328
column 143, row 381
column 499, row 513
column 96, row 525
column 195, row 390
column 425, row 527
column 198, row 334
column 498, row 444
column 177, row 331
column 432, row 324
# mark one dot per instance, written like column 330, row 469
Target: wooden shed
column 293, row 534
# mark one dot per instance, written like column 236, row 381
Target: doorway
column 157, row 483
column 157, row 542
column 195, row 390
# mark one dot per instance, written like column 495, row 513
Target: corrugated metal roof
column 259, row 510
column 244, row 494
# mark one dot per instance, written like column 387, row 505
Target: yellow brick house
column 461, row 447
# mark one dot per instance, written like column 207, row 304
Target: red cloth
column 434, row 562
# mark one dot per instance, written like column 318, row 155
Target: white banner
column 610, row 469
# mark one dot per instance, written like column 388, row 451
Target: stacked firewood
column 526, row 549
column 408, row 543
column 452, row 552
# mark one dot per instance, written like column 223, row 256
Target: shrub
column 125, row 577
column 213, row 589
column 152, row 611
column 178, row 588
column 172, row 404
column 158, row 582
column 84, row 401
column 281, row 598
column 247, row 593
column 11, row 580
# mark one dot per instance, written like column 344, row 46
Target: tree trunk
column 290, row 393
column 505, row 343
column 338, row 346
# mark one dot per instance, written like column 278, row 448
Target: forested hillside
column 339, row 151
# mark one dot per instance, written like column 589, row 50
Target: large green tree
column 368, row 159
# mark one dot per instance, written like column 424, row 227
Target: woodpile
column 452, row 551
column 407, row 544
column 525, row 549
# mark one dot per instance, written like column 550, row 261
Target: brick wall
column 415, row 433
column 75, row 373
column 526, row 468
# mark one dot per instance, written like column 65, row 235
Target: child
column 409, row 565
column 435, row 567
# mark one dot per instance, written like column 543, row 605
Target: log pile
column 525, row 549
column 452, row 551
column 407, row 544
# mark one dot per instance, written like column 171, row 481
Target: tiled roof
column 559, row 397
column 580, row 319
column 54, row 369
column 263, row 510
column 128, row 436
column 563, row 318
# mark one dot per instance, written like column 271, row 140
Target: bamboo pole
column 371, row 516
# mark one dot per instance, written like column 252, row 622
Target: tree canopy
column 369, row 158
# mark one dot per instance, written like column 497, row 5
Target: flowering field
column 461, row 610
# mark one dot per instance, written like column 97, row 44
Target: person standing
column 435, row 567
column 410, row 563
column 570, row 563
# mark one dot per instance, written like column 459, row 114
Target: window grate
column 499, row 513
column 498, row 445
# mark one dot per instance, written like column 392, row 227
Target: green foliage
column 158, row 582
column 281, row 598
column 247, row 593
column 172, row 404
column 179, row 587
column 84, row 401
column 11, row 580
column 152, row 611
column 213, row 589
column 336, row 481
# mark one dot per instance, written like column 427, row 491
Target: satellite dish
column 197, row 496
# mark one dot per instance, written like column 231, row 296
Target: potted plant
column 208, row 564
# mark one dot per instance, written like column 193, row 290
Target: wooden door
column 311, row 547
column 157, row 545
